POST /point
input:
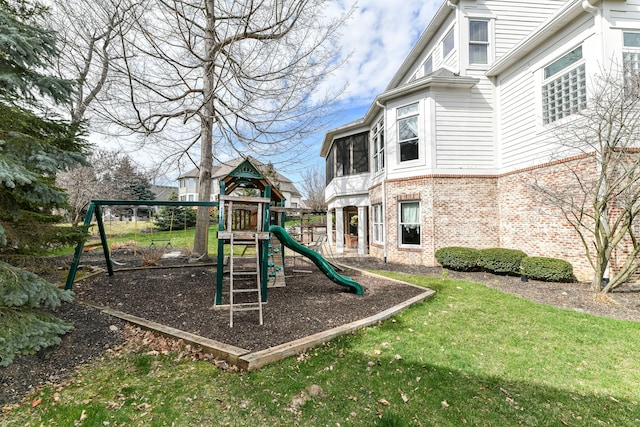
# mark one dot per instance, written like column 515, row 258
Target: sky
column 376, row 40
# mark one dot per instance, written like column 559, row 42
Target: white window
column 409, row 223
column 448, row 43
column 407, row 117
column 378, row 229
column 378, row 146
column 478, row 42
column 564, row 90
column 428, row 65
column 631, row 61
column 191, row 198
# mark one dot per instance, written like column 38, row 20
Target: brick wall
column 505, row 211
column 530, row 223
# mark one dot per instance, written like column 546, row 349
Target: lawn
column 468, row 356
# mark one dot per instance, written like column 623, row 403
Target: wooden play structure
column 249, row 222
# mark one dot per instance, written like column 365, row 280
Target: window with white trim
column 631, row 62
column 377, row 222
column 564, row 89
column 428, row 65
column 448, row 43
column 407, row 120
column 377, row 136
column 409, row 223
column 478, row 42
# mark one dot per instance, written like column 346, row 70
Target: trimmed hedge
column 501, row 261
column 458, row 258
column 547, row 269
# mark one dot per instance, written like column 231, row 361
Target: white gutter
column 384, row 185
column 548, row 28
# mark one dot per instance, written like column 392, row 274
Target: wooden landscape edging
column 261, row 358
column 247, row 360
column 219, row 349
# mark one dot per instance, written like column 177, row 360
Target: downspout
column 590, row 6
column 384, row 185
column 453, row 4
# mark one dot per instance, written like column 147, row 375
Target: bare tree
column 600, row 197
column 241, row 76
column 88, row 34
column 82, row 185
column 313, row 184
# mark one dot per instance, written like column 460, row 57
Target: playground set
column 254, row 223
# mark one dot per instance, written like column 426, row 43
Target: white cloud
column 378, row 36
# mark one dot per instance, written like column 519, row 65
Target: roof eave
column 547, row 29
column 415, row 86
column 434, row 25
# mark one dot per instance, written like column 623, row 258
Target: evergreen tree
column 34, row 146
column 175, row 217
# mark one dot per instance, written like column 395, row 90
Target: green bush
column 547, row 269
column 458, row 258
column 501, row 261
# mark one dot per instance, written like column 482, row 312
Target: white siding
column 465, row 128
column 623, row 13
column 516, row 19
column 524, row 140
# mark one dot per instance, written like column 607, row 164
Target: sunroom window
column 564, row 90
column 377, row 136
column 407, row 117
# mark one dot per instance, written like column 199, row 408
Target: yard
column 471, row 355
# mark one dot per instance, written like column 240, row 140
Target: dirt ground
column 183, row 298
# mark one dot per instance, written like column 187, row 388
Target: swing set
column 95, row 208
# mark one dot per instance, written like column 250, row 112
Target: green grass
column 142, row 234
column 468, row 356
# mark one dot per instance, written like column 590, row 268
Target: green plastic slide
column 286, row 239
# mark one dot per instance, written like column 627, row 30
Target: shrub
column 547, row 269
column 501, row 261
column 458, row 258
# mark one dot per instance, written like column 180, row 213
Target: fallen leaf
column 384, row 402
column 35, row 402
column 445, row 404
column 404, row 397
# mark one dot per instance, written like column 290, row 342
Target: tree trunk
column 201, row 239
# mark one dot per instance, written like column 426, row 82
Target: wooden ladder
column 244, row 306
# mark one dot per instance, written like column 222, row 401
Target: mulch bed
column 183, row 297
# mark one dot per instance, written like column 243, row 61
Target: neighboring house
column 188, row 183
column 163, row 192
column 442, row 157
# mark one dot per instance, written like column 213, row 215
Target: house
column 443, row 156
column 188, row 183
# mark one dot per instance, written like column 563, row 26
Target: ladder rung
column 242, row 307
column 240, row 291
column 245, row 273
